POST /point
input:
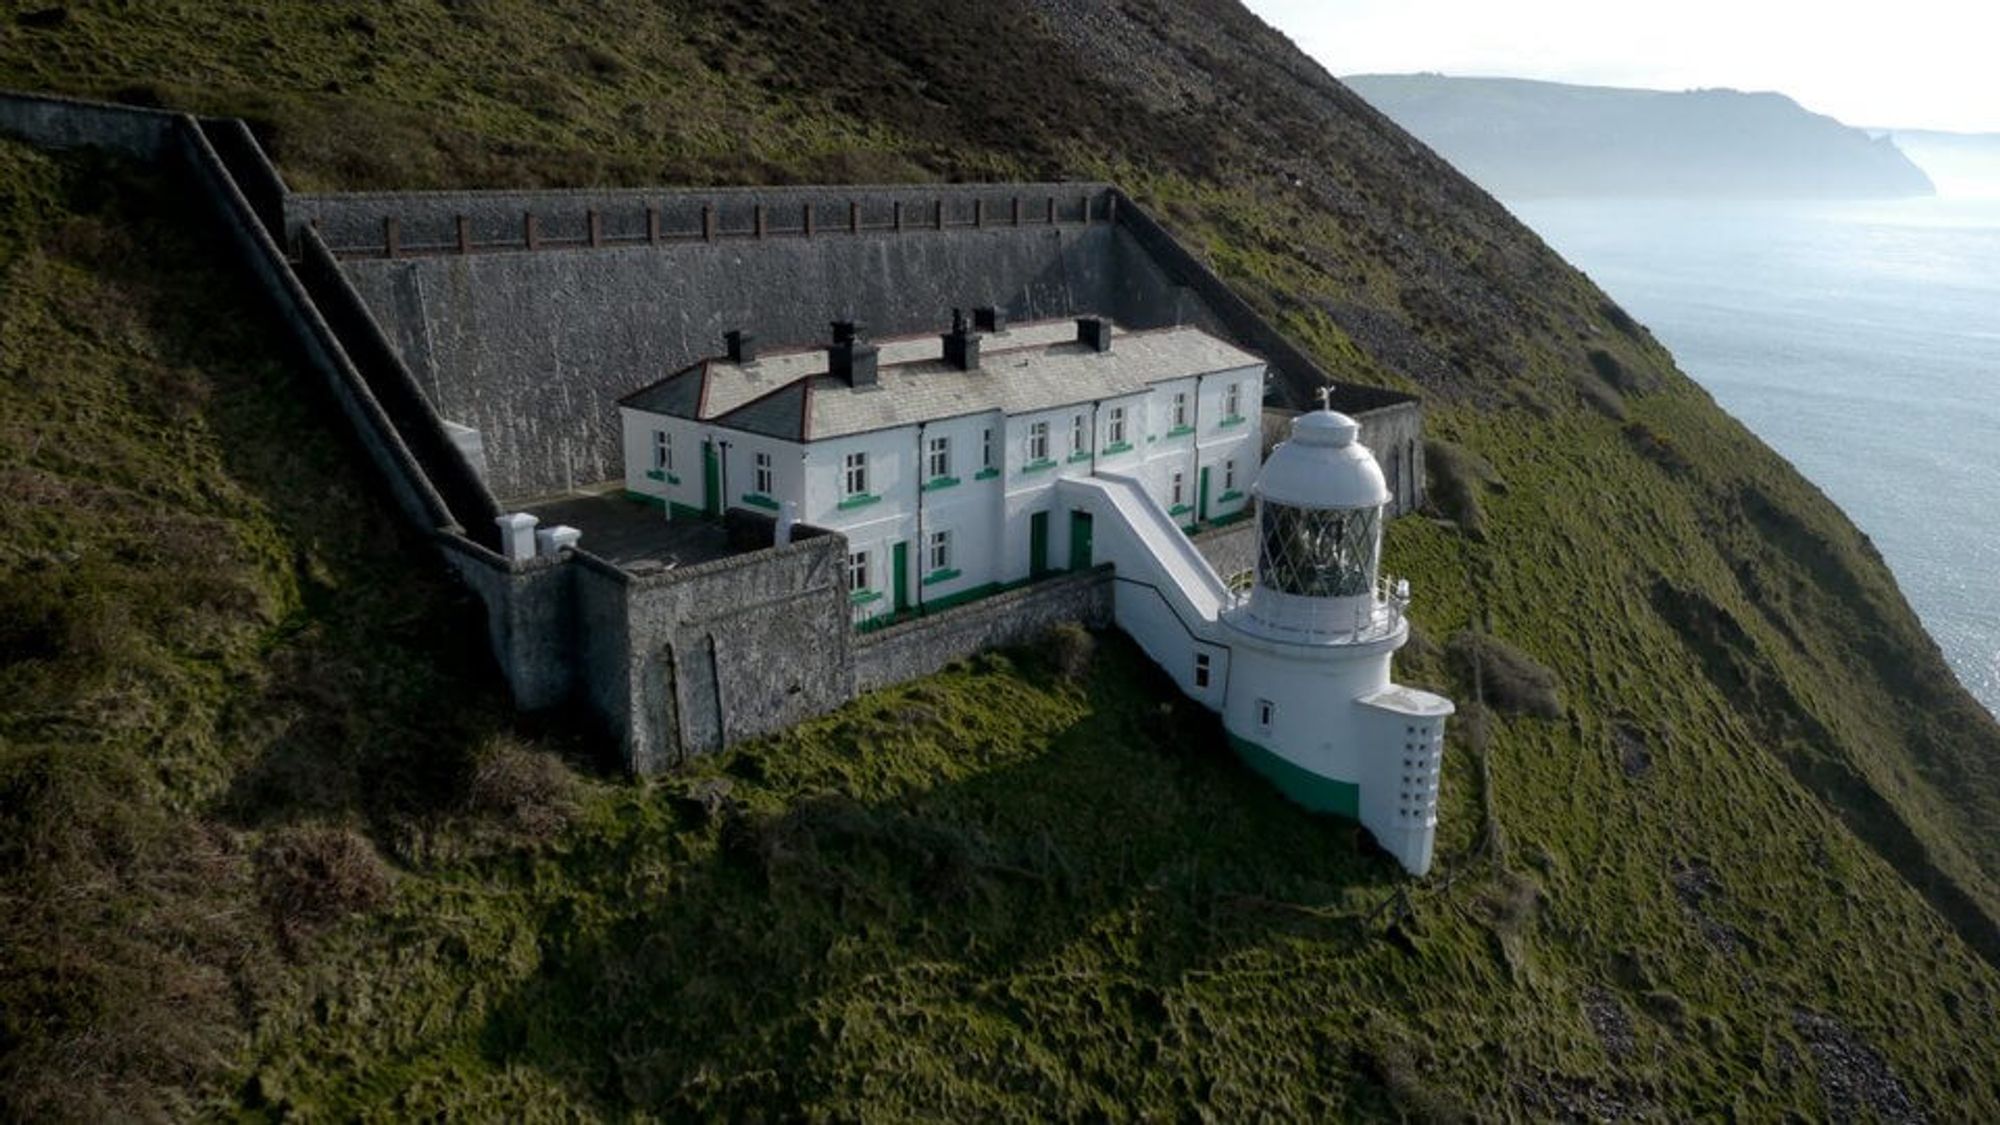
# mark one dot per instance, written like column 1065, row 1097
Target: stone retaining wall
column 926, row 644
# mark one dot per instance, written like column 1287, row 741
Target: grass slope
column 1751, row 864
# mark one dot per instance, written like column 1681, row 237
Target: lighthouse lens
column 1318, row 553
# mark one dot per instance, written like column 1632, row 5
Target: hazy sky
column 1913, row 64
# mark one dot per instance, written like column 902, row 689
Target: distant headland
column 1528, row 139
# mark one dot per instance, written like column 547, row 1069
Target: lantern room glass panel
column 1318, row 552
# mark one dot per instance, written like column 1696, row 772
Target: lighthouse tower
column 1310, row 703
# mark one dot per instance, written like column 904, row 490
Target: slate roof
column 1029, row 367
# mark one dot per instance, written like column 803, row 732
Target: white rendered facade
column 956, row 496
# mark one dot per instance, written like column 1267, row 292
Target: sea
column 1862, row 342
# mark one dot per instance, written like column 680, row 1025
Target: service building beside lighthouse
column 959, row 466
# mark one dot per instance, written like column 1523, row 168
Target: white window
column 986, row 448
column 1179, row 489
column 940, row 550
column 1232, row 402
column 1116, row 430
column 760, row 466
column 938, row 457
column 1267, row 712
column 663, row 451
column 857, row 572
column 1180, row 409
column 857, row 474
column 1201, row 669
column 1229, row 475
column 1038, row 441
column 1079, row 442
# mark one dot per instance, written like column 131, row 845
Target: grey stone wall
column 534, row 350
column 733, row 649
column 531, row 619
column 52, row 122
column 430, row 222
column 926, row 644
column 320, row 347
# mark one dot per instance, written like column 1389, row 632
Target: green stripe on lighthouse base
column 1316, row 792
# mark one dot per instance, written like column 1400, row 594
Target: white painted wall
column 638, row 427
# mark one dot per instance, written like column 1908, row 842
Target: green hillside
column 269, row 842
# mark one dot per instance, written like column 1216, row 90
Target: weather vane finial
column 1326, row 397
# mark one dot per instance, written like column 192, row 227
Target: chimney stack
column 961, row 345
column 742, row 346
column 1094, row 332
column 989, row 318
column 850, row 358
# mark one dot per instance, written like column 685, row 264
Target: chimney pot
column 961, row 345
column 1094, row 332
column 989, row 318
column 742, row 346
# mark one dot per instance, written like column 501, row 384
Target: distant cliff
column 1519, row 138
column 1964, row 165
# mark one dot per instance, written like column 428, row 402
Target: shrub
column 1510, row 679
column 1068, row 648
column 1601, row 398
column 1656, row 447
column 531, row 791
column 1455, row 478
column 313, row 875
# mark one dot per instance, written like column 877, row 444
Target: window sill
column 658, row 474
column 861, row 500
column 1079, row 455
column 986, row 474
column 863, row 597
column 1180, row 509
column 1232, row 420
column 1038, row 466
column 937, row 576
column 759, row 500
column 936, row 483
column 1117, row 447
column 1232, row 494
column 1180, row 431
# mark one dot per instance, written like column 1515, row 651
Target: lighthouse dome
column 1324, row 465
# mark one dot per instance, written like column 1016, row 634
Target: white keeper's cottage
column 960, row 466
column 939, row 465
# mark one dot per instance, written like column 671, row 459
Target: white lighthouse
column 1310, row 703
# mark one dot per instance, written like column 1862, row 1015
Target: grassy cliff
column 1723, row 842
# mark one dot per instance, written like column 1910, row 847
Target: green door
column 1201, row 511
column 711, row 480
column 899, row 574
column 1079, row 540
column 1038, row 544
